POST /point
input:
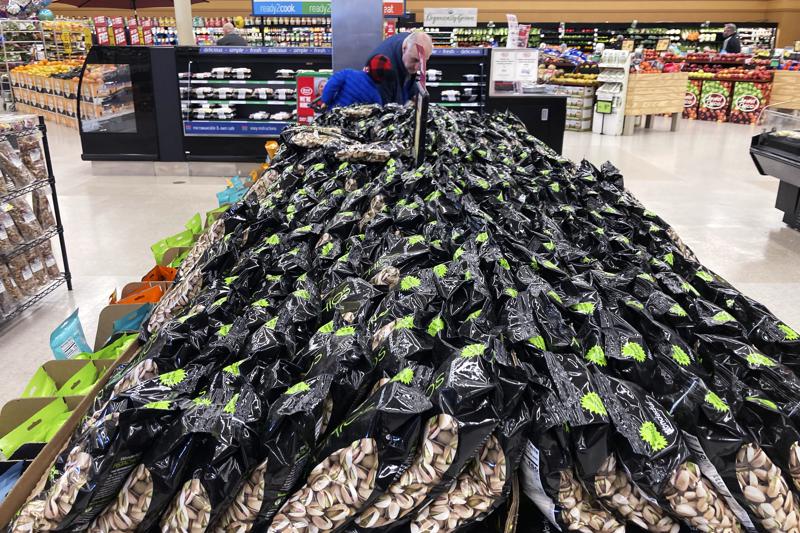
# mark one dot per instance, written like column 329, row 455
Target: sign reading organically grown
column 291, row 7
column 451, row 17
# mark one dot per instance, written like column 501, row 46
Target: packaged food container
column 451, row 96
column 220, row 73
column 241, row 73
column 263, row 93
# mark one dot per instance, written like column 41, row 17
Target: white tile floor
column 699, row 179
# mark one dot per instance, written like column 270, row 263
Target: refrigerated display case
column 242, row 93
column 776, row 152
column 116, row 105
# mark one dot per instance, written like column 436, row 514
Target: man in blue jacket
column 405, row 60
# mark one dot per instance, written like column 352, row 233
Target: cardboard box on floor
column 35, row 475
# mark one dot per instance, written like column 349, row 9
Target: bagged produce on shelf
column 24, row 219
column 23, row 275
column 11, row 235
column 13, row 167
column 33, row 156
column 51, row 266
column 42, row 209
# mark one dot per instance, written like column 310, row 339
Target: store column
column 183, row 20
column 357, row 28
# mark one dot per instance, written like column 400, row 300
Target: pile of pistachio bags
column 366, row 344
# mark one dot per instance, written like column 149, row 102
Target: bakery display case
column 776, row 152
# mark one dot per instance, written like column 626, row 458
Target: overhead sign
column 295, row 7
column 394, row 8
column 456, row 17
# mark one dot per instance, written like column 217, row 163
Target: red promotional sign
column 118, row 24
column 394, row 8
column 101, row 30
column 147, row 31
column 133, row 30
column 309, row 88
column 390, row 28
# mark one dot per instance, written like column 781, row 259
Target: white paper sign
column 456, row 17
column 515, row 64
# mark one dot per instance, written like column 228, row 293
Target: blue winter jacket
column 348, row 87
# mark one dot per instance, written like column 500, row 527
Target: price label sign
column 604, row 107
column 662, row 45
column 66, row 41
column 628, row 45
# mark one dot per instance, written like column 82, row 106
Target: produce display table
column 786, row 90
column 654, row 94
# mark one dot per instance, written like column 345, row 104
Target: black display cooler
column 776, row 152
column 261, row 83
column 138, row 103
column 214, row 103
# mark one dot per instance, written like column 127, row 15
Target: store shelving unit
column 611, row 96
column 465, row 71
column 57, row 231
column 65, row 39
column 22, row 41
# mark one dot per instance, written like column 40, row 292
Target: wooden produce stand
column 654, row 94
column 786, row 90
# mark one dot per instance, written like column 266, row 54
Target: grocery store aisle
column 699, row 179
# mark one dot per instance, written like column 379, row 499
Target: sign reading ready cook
column 295, row 7
column 457, row 17
column 315, row 7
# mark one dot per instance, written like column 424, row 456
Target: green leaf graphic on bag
column 722, row 317
column 415, row 239
column 162, row 405
column 440, row 270
column 302, row 293
column 272, row 323
column 262, row 303
column 409, row 283
column 705, row 276
column 472, row 316
column 763, row 401
column 554, row 296
column 224, row 330
column 538, row 342
column 230, row 407
column 473, row 350
column 687, row 287
column 405, row 376
column 677, row 310
column 326, row 328
column 345, row 331
column 652, row 436
column 680, row 356
column 634, row 351
column 170, row 379
column 788, row 333
column 327, row 248
column 670, row 259
column 407, row 322
column 585, row 308
column 510, row 291
column 596, row 355
column 716, row 402
column 299, row 387
column 436, row 325
column 233, row 368
column 758, row 359
column 482, row 237
column 592, row 402
column 647, row 277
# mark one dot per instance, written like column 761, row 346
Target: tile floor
column 699, row 179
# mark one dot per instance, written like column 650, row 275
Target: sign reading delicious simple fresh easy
column 291, row 7
column 457, row 17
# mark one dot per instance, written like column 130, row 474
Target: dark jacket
column 732, row 44
column 398, row 87
column 232, row 39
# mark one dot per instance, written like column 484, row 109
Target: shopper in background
column 401, row 49
column 348, row 87
column 231, row 37
column 731, row 44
